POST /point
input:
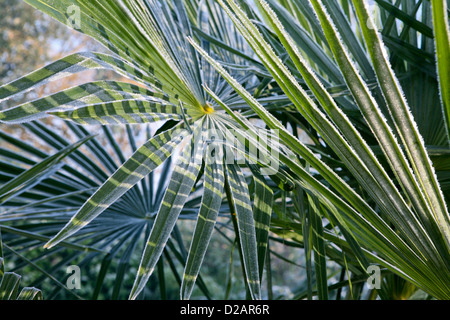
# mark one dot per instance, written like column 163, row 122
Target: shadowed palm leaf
column 368, row 185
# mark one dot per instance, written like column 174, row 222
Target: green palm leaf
column 180, row 186
column 407, row 130
column 262, row 213
column 29, row 178
column 149, row 46
column 413, row 228
column 315, row 67
column 246, row 227
column 211, row 202
column 145, row 159
column 9, row 284
column 442, row 35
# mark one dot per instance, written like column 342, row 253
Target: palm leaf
column 442, row 36
column 181, row 184
column 148, row 45
column 9, row 284
column 246, row 227
column 145, row 159
column 211, row 202
column 29, row 178
column 413, row 228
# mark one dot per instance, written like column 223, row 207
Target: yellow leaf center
column 208, row 109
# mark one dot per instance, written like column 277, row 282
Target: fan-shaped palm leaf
column 149, row 46
column 423, row 225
